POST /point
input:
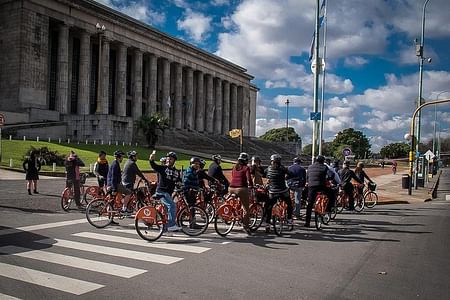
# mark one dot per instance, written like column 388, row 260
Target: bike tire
column 66, row 200
column 99, row 213
column 211, row 211
column 193, row 226
column 340, row 204
column 326, row 218
column 318, row 219
column 256, row 216
column 333, row 213
column 370, row 199
column 87, row 197
column 150, row 231
column 277, row 225
column 223, row 224
column 359, row 204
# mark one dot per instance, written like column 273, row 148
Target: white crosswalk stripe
column 8, row 297
column 53, row 281
column 72, row 261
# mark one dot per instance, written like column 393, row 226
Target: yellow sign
column 234, row 133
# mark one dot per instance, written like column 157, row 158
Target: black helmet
column 297, row 160
column 202, row 163
column 131, row 153
column 101, row 153
column 216, row 157
column 118, row 153
column 171, row 154
column 275, row 157
column 243, row 157
column 256, row 158
column 320, row 159
column 194, row 160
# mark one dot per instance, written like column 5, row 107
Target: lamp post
column 100, row 30
column 287, row 119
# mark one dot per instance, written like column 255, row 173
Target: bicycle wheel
column 211, row 211
column 333, row 213
column 224, row 222
column 99, row 213
column 370, row 199
column 340, row 204
column 149, row 229
column 66, row 199
column 326, row 218
column 277, row 225
column 359, row 203
column 256, row 212
column 193, row 220
column 318, row 220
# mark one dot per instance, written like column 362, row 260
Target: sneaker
column 267, row 228
column 290, row 222
column 125, row 212
column 36, row 192
column 173, row 228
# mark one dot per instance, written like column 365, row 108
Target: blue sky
column 372, row 70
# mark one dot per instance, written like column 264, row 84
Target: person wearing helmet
column 191, row 186
column 317, row 182
column 168, row 176
column 202, row 175
column 241, row 181
column 129, row 173
column 101, row 169
column 257, row 170
column 361, row 174
column 296, row 182
column 276, row 174
column 215, row 171
column 347, row 175
column 73, row 164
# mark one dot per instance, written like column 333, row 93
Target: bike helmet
column 118, row 153
column 360, row 164
column 171, row 154
column 101, row 153
column 195, row 160
column 320, row 159
column 131, row 153
column 275, row 157
column 216, row 157
column 243, row 157
column 297, row 160
column 202, row 163
column 256, row 158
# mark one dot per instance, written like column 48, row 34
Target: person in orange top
column 241, row 181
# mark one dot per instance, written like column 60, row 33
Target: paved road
column 392, row 252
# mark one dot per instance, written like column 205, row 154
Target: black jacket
column 347, row 175
column 215, row 171
column 317, row 175
column 167, row 177
column 277, row 178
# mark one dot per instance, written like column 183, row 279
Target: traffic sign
column 314, row 116
column 347, row 151
column 429, row 155
column 2, row 120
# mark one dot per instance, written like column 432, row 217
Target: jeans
column 171, row 207
column 76, row 190
column 298, row 199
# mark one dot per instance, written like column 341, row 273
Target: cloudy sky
column 372, row 70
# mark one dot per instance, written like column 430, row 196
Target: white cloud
column 138, row 10
column 195, row 24
column 355, row 61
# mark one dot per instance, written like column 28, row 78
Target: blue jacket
column 297, row 177
column 114, row 175
column 190, row 179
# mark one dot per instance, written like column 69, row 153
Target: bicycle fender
column 225, row 211
column 147, row 213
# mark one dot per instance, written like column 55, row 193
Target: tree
column 326, row 150
column 353, row 139
column 395, row 150
column 152, row 126
column 280, row 135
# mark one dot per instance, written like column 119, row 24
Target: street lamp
column 100, row 30
column 287, row 119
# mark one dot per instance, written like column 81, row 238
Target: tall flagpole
column 316, row 83
column 322, row 103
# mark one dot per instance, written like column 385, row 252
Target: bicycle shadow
column 29, row 210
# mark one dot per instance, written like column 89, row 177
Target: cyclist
column 335, row 181
column 215, row 171
column 73, row 164
column 129, row 173
column 296, row 183
column 276, row 174
column 317, row 177
column 394, row 167
column 257, row 170
column 101, row 169
column 114, row 180
column 202, row 175
column 241, row 181
column 191, row 185
column 346, row 175
column 361, row 174
column 168, row 176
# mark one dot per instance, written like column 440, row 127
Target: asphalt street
column 389, row 252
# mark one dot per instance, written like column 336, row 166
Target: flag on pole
column 321, row 18
column 234, row 133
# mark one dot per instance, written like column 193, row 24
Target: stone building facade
column 57, row 65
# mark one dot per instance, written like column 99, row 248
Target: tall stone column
column 102, row 105
column 210, row 107
column 200, row 104
column 252, row 96
column 62, row 85
column 245, row 111
column 240, row 104
column 137, row 86
column 84, row 77
column 166, row 89
column 233, row 106
column 152, row 85
column 121, row 90
column 178, row 101
column 226, row 108
column 218, row 103
column 189, row 99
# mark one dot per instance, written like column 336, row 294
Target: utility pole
column 287, row 119
column 315, row 130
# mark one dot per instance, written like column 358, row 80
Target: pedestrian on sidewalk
column 32, row 166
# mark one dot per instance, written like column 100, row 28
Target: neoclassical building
column 99, row 70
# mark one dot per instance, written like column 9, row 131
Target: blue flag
column 321, row 18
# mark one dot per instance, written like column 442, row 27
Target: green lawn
column 17, row 149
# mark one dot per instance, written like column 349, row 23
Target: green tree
column 395, row 150
column 280, row 135
column 326, row 150
column 152, row 126
column 353, row 139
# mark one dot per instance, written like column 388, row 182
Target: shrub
column 47, row 156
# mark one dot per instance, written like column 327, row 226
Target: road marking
column 8, row 297
column 142, row 243
column 174, row 236
column 129, row 254
column 447, row 197
column 72, row 261
column 42, row 226
column 53, row 281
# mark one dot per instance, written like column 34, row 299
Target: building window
column 75, row 76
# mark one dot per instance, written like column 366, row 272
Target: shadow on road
column 30, row 210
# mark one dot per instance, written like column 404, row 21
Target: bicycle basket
column 372, row 186
column 320, row 206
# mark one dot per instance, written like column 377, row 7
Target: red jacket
column 241, row 177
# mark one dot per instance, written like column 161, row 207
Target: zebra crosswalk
column 103, row 252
